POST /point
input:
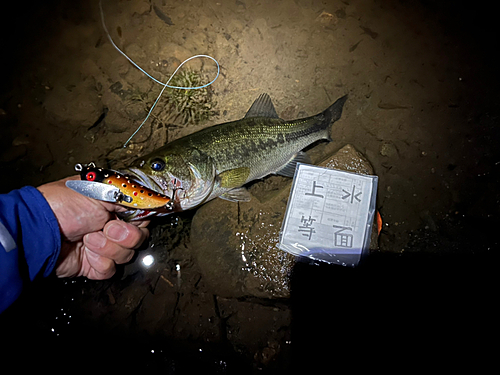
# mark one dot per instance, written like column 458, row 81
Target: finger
column 76, row 214
column 101, row 267
column 126, row 235
column 99, row 244
column 141, row 223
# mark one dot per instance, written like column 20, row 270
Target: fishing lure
column 130, row 193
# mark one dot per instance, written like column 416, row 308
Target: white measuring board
column 329, row 215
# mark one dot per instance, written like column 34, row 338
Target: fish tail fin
column 332, row 114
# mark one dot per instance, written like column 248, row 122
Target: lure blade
column 95, row 190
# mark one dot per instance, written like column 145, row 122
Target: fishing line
column 165, row 85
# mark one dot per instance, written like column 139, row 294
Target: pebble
column 141, row 7
column 388, row 149
column 20, row 140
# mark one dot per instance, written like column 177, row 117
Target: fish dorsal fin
column 289, row 168
column 262, row 107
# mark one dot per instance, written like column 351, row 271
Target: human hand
column 93, row 240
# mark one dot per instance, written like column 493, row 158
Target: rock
column 140, row 83
column 204, row 22
column 13, row 153
column 198, row 42
column 135, row 52
column 74, row 105
column 326, row 18
column 89, row 68
column 289, row 112
column 140, row 7
column 350, row 160
column 21, row 140
column 117, row 123
column 428, row 220
column 121, row 66
column 124, row 156
column 158, row 137
column 136, row 112
column 388, row 149
column 235, row 26
column 173, row 52
column 235, row 245
column 236, row 248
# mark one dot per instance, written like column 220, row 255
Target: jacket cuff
column 41, row 236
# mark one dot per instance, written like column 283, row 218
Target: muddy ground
column 422, row 108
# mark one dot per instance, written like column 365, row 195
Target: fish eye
column 157, row 165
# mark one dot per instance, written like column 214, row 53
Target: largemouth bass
column 219, row 160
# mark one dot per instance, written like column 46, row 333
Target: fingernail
column 95, row 240
column 116, row 232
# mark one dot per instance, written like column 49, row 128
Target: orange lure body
column 135, row 195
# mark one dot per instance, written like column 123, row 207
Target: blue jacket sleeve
column 30, row 241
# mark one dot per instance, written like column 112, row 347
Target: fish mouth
column 155, row 183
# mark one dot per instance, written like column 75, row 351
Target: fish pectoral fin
column 240, row 194
column 234, row 178
column 289, row 169
column 262, row 107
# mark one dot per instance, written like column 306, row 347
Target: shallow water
column 423, row 108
